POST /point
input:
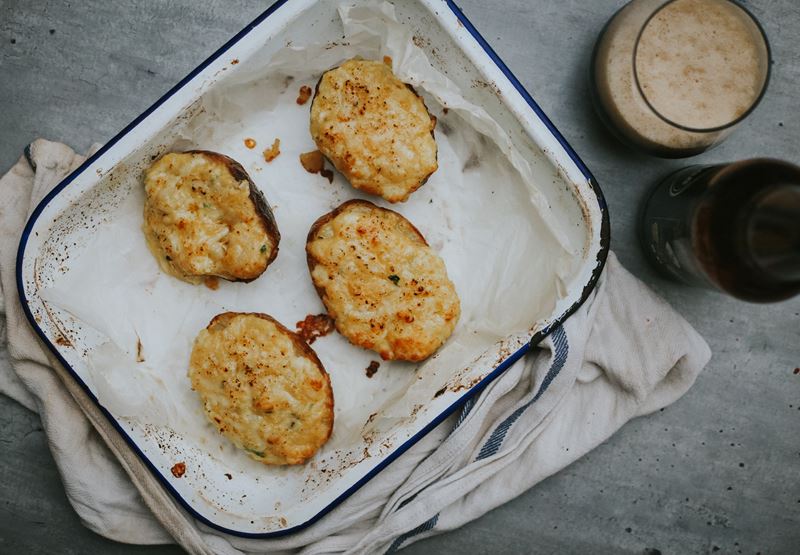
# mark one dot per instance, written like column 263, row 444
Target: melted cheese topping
column 385, row 288
column 374, row 129
column 262, row 388
column 200, row 218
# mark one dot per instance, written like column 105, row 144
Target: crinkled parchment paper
column 504, row 248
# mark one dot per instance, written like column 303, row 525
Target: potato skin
column 384, row 287
column 174, row 228
column 375, row 129
column 263, row 387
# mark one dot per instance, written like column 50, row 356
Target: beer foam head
column 701, row 64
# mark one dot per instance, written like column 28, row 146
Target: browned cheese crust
column 262, row 387
column 204, row 217
column 374, row 128
column 385, row 288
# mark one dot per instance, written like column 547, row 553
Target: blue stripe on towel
column 424, row 527
column 465, row 410
column 495, row 440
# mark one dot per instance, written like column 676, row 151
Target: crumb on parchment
column 314, row 162
column 372, row 368
column 314, row 326
column 272, row 152
column 212, row 282
column 303, row 95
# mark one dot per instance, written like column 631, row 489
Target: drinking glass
column 674, row 78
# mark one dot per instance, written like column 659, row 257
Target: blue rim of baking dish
column 537, row 337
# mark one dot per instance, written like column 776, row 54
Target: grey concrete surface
column 719, row 471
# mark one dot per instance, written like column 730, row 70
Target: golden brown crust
column 325, row 218
column 270, row 403
column 351, row 265
column 375, row 129
column 174, row 223
column 263, row 210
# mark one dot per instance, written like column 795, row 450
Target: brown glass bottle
column 733, row 227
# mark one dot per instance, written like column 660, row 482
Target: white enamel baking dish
column 454, row 47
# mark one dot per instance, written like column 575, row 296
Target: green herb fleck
column 206, row 205
column 263, row 249
column 395, row 279
column 255, row 452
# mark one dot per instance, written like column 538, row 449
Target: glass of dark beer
column 732, row 227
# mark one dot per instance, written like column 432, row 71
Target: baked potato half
column 374, row 129
column 381, row 283
column 262, row 387
column 205, row 218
